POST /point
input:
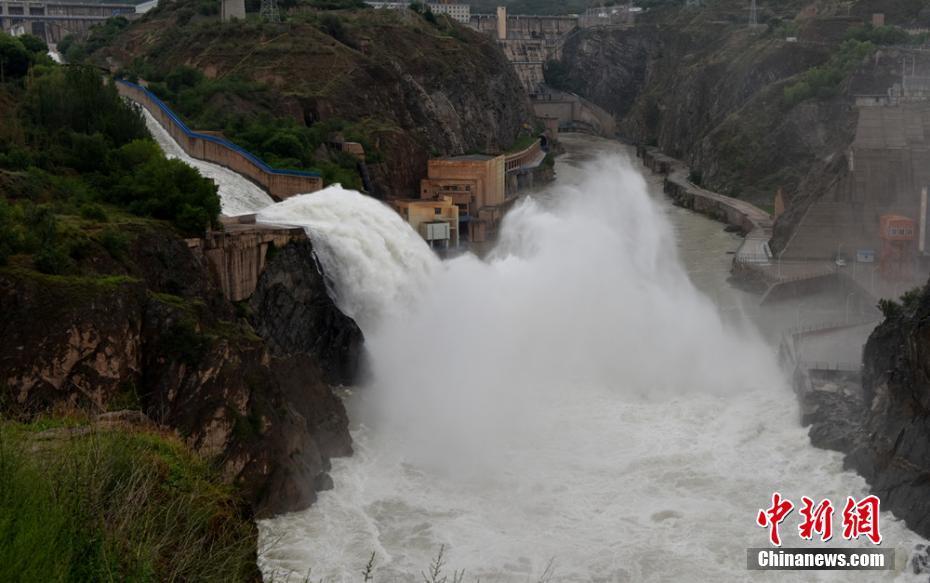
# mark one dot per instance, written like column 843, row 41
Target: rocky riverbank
column 881, row 420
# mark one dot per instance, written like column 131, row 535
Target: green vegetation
column 907, row 304
column 524, row 141
column 782, row 28
column 885, row 35
column 74, row 156
column 824, row 81
column 90, row 504
column 100, row 36
column 282, row 142
column 17, row 55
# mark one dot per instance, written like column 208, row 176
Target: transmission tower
column 753, row 14
column 269, row 11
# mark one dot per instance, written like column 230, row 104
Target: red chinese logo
column 773, row 516
column 819, row 519
column 859, row 518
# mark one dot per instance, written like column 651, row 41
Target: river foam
column 573, row 399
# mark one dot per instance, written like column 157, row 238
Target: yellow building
column 437, row 221
column 473, row 182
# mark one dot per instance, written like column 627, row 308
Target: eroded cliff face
column 292, row 311
column 163, row 340
column 711, row 94
column 882, row 421
column 892, row 449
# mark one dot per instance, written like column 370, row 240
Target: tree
column 33, row 44
column 14, row 58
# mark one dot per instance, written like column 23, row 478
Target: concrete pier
column 237, row 255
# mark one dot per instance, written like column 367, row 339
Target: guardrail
column 532, row 155
column 834, row 366
column 280, row 184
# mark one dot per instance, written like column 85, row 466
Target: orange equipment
column 898, row 235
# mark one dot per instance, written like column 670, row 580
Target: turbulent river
column 593, row 398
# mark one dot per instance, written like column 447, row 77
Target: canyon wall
column 246, row 385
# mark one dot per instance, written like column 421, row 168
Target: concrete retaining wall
column 280, row 184
column 575, row 113
column 722, row 208
column 238, row 254
column 689, row 197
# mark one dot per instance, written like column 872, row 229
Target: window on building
column 437, row 211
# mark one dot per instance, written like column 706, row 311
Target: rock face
column 711, row 95
column 293, row 312
column 883, row 427
column 702, row 88
column 893, row 452
column 164, row 341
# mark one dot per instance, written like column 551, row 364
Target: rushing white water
column 572, row 398
column 238, row 196
column 376, row 273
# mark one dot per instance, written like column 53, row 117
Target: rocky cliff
column 406, row 87
column 881, row 424
column 705, row 88
column 709, row 92
column 893, row 449
column 241, row 384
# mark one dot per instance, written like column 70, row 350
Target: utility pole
column 753, row 14
column 269, row 11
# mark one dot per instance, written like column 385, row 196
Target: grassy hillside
column 77, row 165
column 80, row 502
column 391, row 80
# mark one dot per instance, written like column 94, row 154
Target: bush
column 115, row 242
column 93, row 212
column 183, row 77
column 33, row 44
column 169, row 190
column 824, row 81
column 53, row 259
column 16, row 158
column 332, row 25
column 880, row 35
